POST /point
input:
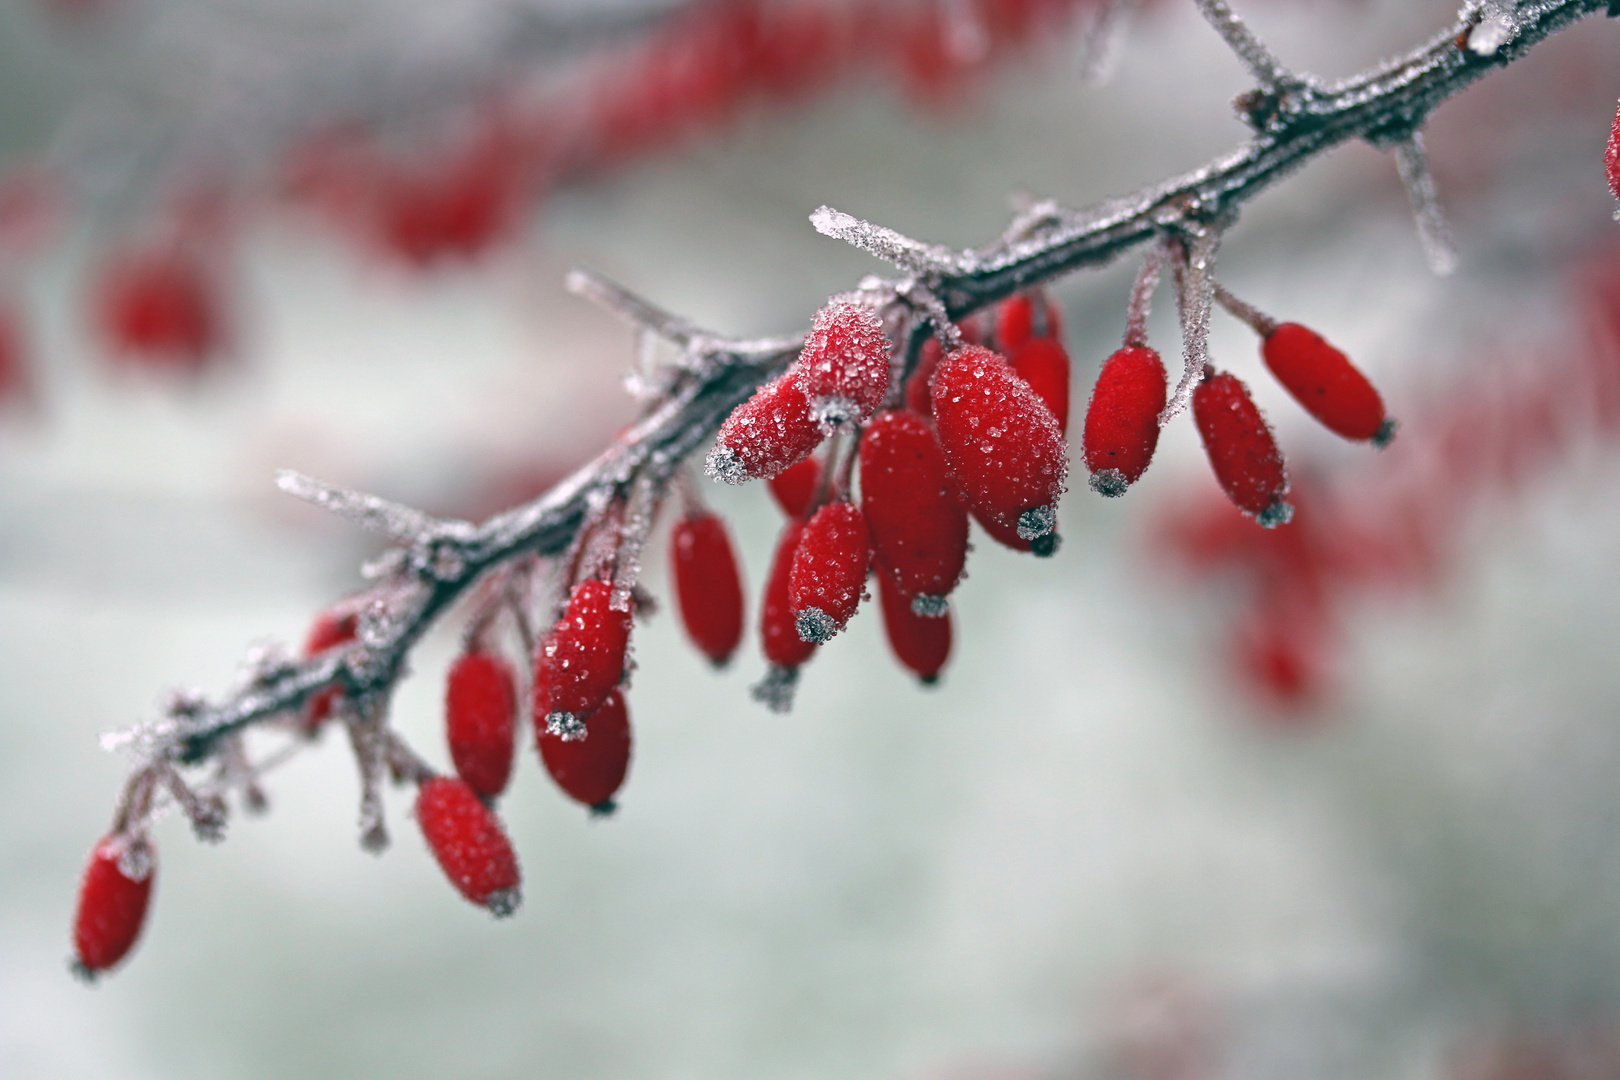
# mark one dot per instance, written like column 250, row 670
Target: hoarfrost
column 1109, row 482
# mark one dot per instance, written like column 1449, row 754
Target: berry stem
column 1244, row 312
column 1140, row 305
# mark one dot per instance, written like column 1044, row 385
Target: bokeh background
column 1102, row 847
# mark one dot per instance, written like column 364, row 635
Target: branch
column 438, row 562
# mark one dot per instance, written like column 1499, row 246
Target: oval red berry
column 829, row 571
column 708, row 587
column 921, row 643
column 583, row 658
column 765, row 434
column 1241, row 448
column 795, row 486
column 779, row 637
column 918, row 526
column 481, row 720
column 1044, row 364
column 1122, row 421
column 843, row 369
column 592, row 769
column 1002, row 445
column 1324, row 381
column 157, row 308
column 466, row 838
column 112, row 903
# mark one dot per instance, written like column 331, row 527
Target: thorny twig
column 436, row 562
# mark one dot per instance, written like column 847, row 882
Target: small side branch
column 1260, row 61
column 1413, row 164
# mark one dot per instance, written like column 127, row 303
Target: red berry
column 467, row 839
column 1241, row 448
column 329, row 632
column 707, row 585
column 591, row 769
column 1323, row 380
column 1611, row 156
column 158, row 307
column 765, row 434
column 1122, row 421
column 1015, row 317
column 1024, row 317
column 843, row 368
column 795, row 486
column 921, row 643
column 919, row 528
column 919, row 396
column 481, row 720
column 583, row 659
column 829, row 571
column 1002, row 445
column 779, row 637
column 112, row 903
column 1044, row 364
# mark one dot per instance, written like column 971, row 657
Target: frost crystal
column 1278, row 513
column 504, row 902
column 815, row 625
column 1109, row 482
column 929, row 607
column 1036, row 522
column 724, row 465
column 566, row 726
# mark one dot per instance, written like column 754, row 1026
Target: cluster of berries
column 582, row 731
column 974, row 433
column 1128, row 404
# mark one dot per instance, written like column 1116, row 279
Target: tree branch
column 438, row 562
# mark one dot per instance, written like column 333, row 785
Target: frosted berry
column 329, row 632
column 921, row 643
column 583, row 658
column 1611, row 156
column 1044, row 364
column 466, row 838
column 157, row 307
column 1241, row 448
column 113, row 898
column 765, row 434
column 795, row 486
column 1323, row 380
column 708, row 587
column 1002, row 445
column 779, row 637
column 1122, row 421
column 591, row 770
column 919, row 528
column 481, row 720
column 843, row 368
column 919, row 396
column 829, row 571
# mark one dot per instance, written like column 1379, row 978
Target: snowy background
column 1086, row 854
